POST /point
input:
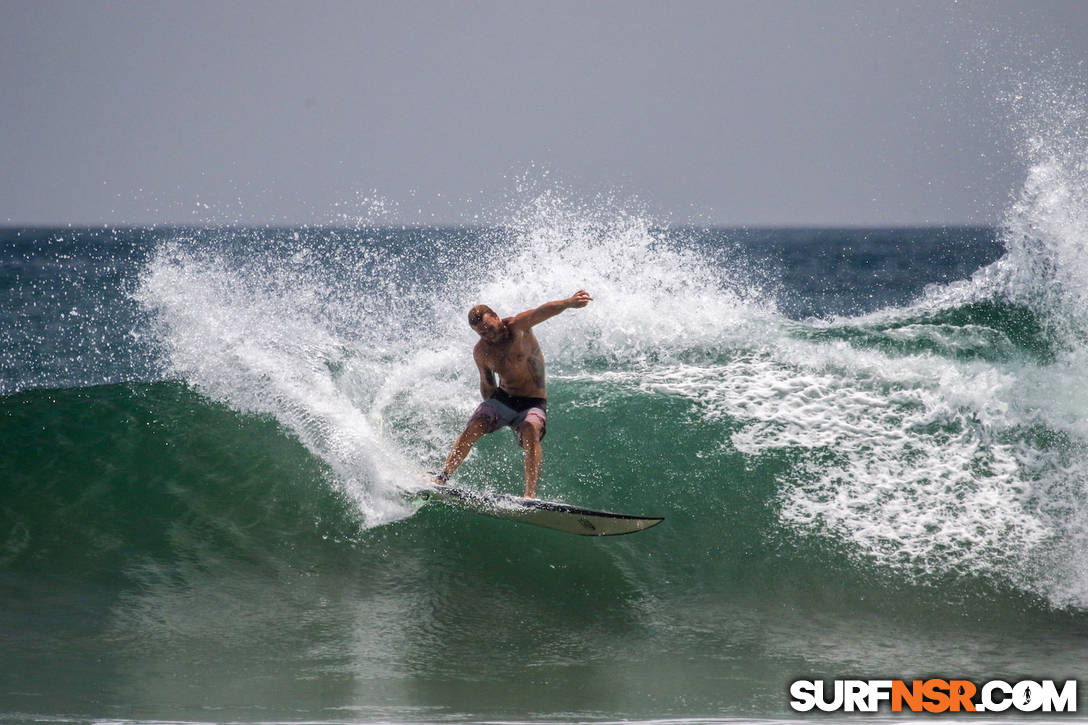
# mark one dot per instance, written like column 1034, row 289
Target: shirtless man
column 517, row 397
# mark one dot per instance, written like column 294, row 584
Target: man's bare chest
column 506, row 357
column 510, row 356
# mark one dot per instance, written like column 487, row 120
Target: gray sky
column 716, row 112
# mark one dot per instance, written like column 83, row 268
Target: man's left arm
column 549, row 310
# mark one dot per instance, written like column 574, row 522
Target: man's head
column 486, row 323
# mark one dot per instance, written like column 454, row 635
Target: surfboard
column 549, row 514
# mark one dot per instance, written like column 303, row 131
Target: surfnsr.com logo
column 934, row 695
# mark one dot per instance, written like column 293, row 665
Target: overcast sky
column 715, row 112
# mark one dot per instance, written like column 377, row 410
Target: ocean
column 869, row 446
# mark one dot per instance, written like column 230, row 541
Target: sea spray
column 929, row 465
column 256, row 328
column 359, row 346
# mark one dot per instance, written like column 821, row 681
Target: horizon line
column 9, row 225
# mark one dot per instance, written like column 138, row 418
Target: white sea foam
column 653, row 296
column 371, row 367
column 249, row 337
column 931, row 464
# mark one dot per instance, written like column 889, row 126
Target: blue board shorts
column 503, row 409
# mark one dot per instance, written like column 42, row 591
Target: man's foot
column 441, row 478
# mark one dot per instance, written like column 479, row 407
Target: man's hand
column 580, row 298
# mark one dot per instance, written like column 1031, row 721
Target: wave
column 139, row 486
column 992, row 330
column 358, row 347
column 949, row 435
column 944, row 437
column 100, row 479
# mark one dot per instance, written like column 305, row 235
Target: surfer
column 511, row 383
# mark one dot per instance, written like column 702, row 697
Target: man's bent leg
column 475, row 429
column 529, row 437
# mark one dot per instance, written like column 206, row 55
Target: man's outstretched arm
column 549, row 310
